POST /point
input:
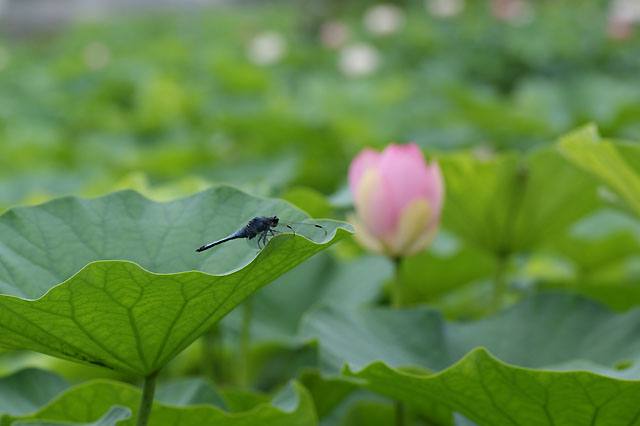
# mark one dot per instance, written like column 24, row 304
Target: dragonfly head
column 272, row 221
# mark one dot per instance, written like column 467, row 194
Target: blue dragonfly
column 260, row 229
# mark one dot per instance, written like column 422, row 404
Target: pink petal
column 365, row 159
column 407, row 177
column 435, row 191
column 365, row 237
column 372, row 204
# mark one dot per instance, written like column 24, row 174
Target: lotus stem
column 146, row 401
column 500, row 281
column 245, row 344
column 397, row 290
column 397, row 301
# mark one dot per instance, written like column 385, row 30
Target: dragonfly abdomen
column 240, row 233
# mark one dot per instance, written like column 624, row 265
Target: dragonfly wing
column 258, row 241
column 313, row 231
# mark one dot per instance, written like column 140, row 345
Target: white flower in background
column 383, row 19
column 334, row 34
column 266, row 48
column 627, row 10
column 444, row 8
column 4, row 57
column 358, row 60
column 622, row 16
column 515, row 12
column 483, row 152
column 96, row 55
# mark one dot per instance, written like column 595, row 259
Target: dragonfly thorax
column 272, row 221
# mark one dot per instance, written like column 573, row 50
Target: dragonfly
column 260, row 229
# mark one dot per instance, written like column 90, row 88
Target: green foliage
column 104, row 402
column 115, row 313
column 616, row 164
column 507, row 203
column 381, row 342
column 27, row 390
column 519, row 335
column 319, row 281
column 490, row 392
column 177, row 105
column 113, row 416
column 178, row 95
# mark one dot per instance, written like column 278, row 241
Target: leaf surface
column 112, row 417
column 87, row 402
column 506, row 204
column 615, row 163
column 117, row 313
column 27, row 390
column 493, row 393
column 542, row 330
column 416, row 357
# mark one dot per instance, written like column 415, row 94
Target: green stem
column 245, row 345
column 397, row 296
column 210, row 341
column 500, row 281
column 397, row 301
column 146, row 401
column 399, row 413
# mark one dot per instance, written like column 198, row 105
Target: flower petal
column 405, row 172
column 367, row 158
column 365, row 238
column 435, row 191
column 412, row 225
column 373, row 206
column 424, row 240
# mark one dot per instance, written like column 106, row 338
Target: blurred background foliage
column 278, row 97
column 270, row 95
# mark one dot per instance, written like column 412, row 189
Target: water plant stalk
column 397, row 290
column 146, row 401
column 499, row 281
column 245, row 344
column 397, row 301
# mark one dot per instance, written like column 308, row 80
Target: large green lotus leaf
column 543, row 329
column 322, row 279
column 615, row 163
column 243, row 399
column 620, row 296
column 491, row 392
column 89, row 401
column 343, row 402
column 117, row 313
column 112, row 417
column 599, row 239
column 44, row 245
column 189, row 391
column 395, row 351
column 593, row 257
column 507, row 203
column 27, row 390
column 429, row 275
column 327, row 393
column 597, row 258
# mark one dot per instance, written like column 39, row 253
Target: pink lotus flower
column 398, row 199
